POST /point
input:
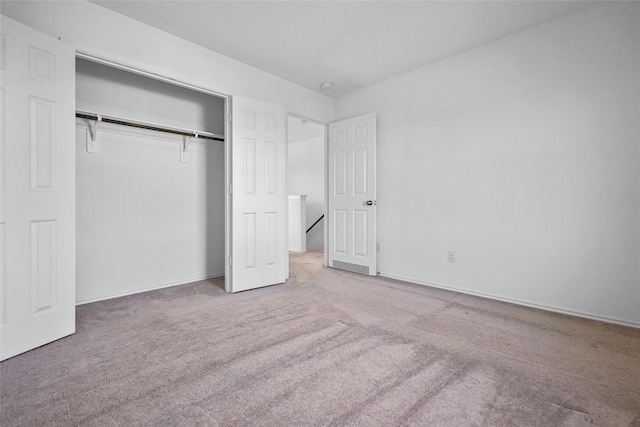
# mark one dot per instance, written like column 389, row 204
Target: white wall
column 523, row 157
column 305, row 175
column 97, row 30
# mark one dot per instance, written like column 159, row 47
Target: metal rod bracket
column 92, row 145
column 184, row 147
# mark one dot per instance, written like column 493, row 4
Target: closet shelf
column 106, row 118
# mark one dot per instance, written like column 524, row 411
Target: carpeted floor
column 326, row 348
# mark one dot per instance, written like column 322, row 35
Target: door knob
column 369, row 202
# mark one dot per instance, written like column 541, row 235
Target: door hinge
column 230, row 117
column 230, row 260
column 230, row 188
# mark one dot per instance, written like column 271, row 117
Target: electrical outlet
column 378, row 247
column 452, row 256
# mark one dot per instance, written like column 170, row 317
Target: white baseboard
column 152, row 288
column 518, row 302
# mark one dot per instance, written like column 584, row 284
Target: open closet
column 150, row 183
column 118, row 180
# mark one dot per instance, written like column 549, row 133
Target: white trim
column 516, row 301
column 228, row 213
column 228, row 235
column 327, row 220
column 154, row 288
column 140, row 71
column 287, row 114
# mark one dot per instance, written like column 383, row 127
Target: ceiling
column 352, row 44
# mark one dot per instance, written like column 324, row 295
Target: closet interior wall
column 146, row 219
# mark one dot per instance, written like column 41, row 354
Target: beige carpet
column 326, row 348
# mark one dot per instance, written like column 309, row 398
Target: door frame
column 89, row 56
column 325, row 193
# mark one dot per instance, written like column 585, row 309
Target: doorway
column 306, row 177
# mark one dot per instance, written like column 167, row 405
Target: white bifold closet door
column 37, row 220
column 258, row 195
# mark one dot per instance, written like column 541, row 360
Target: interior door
column 352, row 194
column 37, row 214
column 258, row 195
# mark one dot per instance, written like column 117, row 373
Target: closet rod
column 146, row 125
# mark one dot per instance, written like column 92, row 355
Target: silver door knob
column 369, row 202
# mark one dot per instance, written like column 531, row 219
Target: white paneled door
column 259, row 198
column 37, row 214
column 352, row 194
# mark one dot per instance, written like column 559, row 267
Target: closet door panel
column 38, row 189
column 258, row 207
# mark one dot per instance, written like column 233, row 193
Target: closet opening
column 150, row 177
